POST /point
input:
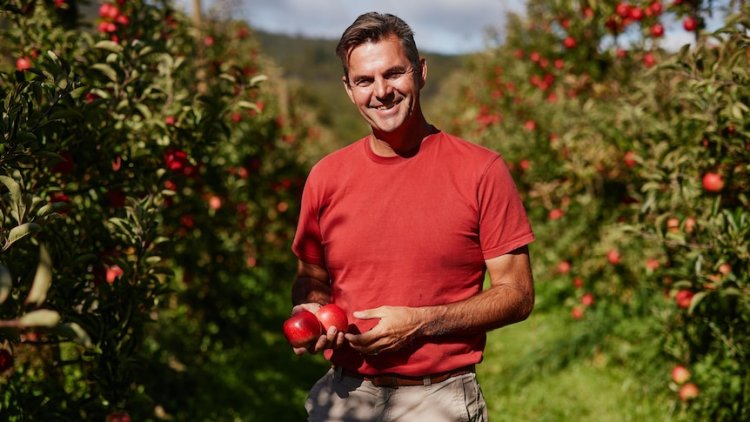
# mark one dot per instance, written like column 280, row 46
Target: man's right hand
column 333, row 339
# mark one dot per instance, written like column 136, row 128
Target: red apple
column 587, row 299
column 569, row 42
column 683, row 298
column 613, row 256
column 629, row 159
column 563, row 267
column 689, row 224
column 656, row 7
column 66, row 165
column 555, row 214
column 578, row 283
column 214, row 202
column 680, row 374
column 688, row 392
column 636, row 13
column 653, row 264
column 6, row 360
column 690, row 23
column 118, row 417
column 649, row 59
column 623, row 10
column 23, row 63
column 331, row 315
column 302, row 328
column 113, row 273
column 673, row 225
column 657, row 30
column 576, row 312
column 713, row 182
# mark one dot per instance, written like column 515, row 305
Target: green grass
column 519, row 384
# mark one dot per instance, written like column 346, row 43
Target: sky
column 440, row 26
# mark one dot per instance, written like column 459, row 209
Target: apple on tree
column 6, row 360
column 713, row 182
column 688, row 392
column 23, row 63
column 680, row 374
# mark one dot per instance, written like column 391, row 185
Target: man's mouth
column 384, row 107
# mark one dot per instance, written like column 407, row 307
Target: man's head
column 373, row 27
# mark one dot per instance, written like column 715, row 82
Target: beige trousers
column 337, row 397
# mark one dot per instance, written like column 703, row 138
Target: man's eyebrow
column 398, row 68
column 393, row 69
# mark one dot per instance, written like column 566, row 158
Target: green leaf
column 6, row 283
column 109, row 46
column 74, row 332
column 77, row 92
column 47, row 209
column 15, row 195
column 66, row 114
column 84, row 258
column 107, row 70
column 40, row 318
column 143, row 109
column 151, row 260
column 258, row 79
column 248, row 105
column 20, row 232
column 697, row 298
column 42, row 278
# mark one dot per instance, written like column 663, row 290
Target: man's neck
column 404, row 143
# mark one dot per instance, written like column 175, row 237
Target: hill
column 313, row 71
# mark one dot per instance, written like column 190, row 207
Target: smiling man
column 399, row 229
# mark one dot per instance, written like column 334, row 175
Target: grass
column 519, row 386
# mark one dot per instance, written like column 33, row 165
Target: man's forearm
column 494, row 308
column 308, row 290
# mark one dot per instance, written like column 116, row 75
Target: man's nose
column 382, row 88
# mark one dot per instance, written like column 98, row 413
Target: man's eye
column 362, row 83
column 395, row 75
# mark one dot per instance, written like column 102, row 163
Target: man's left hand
column 398, row 326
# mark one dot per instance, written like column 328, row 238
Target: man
column 399, row 229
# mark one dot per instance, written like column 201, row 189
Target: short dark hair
column 372, row 27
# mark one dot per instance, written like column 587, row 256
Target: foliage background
column 151, row 171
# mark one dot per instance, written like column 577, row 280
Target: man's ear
column 423, row 72
column 347, row 87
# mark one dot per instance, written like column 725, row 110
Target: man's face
column 383, row 84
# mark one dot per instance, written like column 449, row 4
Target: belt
column 395, row 380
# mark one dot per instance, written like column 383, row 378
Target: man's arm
column 312, row 284
column 509, row 299
column 312, row 289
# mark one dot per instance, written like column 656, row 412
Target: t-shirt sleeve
column 308, row 242
column 503, row 223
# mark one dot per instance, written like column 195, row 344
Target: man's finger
column 367, row 314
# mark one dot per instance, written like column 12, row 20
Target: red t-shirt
column 409, row 232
